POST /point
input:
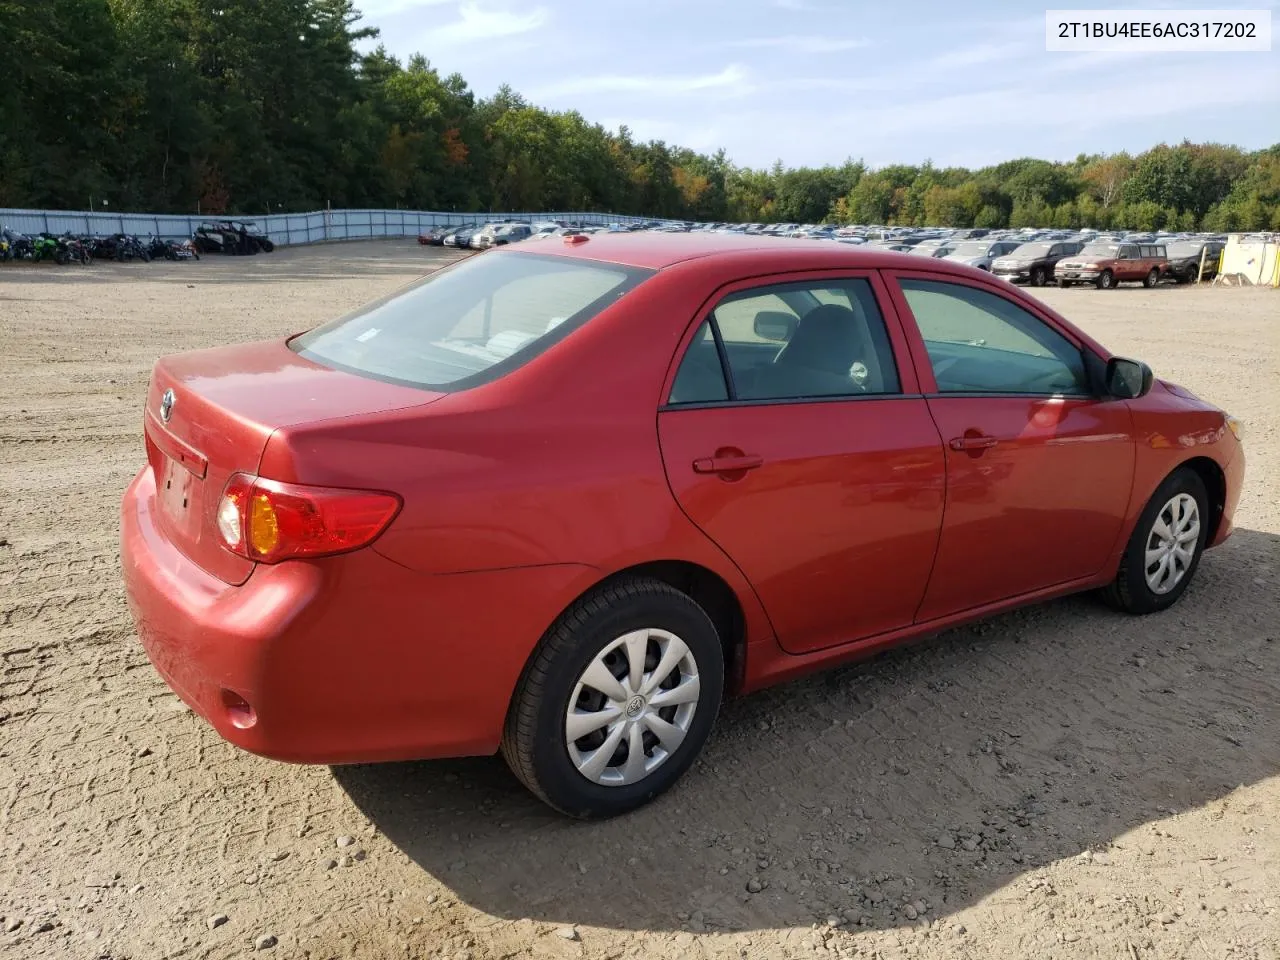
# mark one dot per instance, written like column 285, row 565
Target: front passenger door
column 1038, row 469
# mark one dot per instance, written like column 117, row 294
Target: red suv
column 1106, row 264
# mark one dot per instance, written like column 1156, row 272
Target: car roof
column 655, row 251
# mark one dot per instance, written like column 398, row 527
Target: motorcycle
column 21, row 247
column 74, row 250
column 45, row 247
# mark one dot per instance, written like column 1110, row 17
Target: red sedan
column 560, row 499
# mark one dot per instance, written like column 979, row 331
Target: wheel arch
column 1215, row 485
column 708, row 589
column 714, row 595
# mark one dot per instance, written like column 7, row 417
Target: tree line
column 249, row 107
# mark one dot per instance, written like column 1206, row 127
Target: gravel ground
column 1058, row 782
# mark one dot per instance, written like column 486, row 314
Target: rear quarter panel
column 556, row 463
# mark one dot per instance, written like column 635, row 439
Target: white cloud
column 732, row 78
column 798, row 44
column 477, row 23
column 370, row 9
column 1152, row 94
column 985, row 53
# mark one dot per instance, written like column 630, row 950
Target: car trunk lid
column 210, row 413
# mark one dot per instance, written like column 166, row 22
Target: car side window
column 979, row 342
column 700, row 378
column 793, row 341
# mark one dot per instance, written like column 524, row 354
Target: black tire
column 1152, row 278
column 533, row 742
column 1038, row 277
column 1106, row 280
column 61, row 258
column 1063, row 284
column 267, row 246
column 1129, row 592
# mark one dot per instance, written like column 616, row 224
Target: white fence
column 283, row 229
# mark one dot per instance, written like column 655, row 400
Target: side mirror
column 775, row 325
column 1128, row 379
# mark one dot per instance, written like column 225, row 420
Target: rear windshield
column 470, row 323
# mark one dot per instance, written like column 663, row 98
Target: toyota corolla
column 559, row 500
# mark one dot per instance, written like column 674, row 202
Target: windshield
column 471, row 323
column 1100, row 250
column 972, row 249
column 1029, row 250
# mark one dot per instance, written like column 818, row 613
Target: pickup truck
column 1106, row 264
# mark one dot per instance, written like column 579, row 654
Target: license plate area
column 179, row 492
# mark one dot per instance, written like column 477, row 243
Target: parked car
column 434, row 236
column 1185, row 257
column 932, row 248
column 1106, row 264
column 980, row 253
column 460, row 237
column 547, row 501
column 1033, row 262
column 500, row 234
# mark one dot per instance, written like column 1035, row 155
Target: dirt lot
column 1060, row 782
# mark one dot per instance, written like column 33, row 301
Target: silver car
column 980, row 253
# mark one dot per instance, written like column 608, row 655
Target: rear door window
column 791, row 341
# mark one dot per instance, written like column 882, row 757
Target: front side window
column 473, row 322
column 979, row 342
column 794, row 341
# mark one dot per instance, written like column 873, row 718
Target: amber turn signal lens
column 264, row 528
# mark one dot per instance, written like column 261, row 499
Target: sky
column 813, row 82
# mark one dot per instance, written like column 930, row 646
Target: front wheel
column 1063, row 284
column 1106, row 280
column 1165, row 549
column 1151, row 279
column 1037, row 277
column 617, row 700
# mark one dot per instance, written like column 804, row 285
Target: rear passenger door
column 796, row 438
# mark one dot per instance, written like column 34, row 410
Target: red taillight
column 269, row 521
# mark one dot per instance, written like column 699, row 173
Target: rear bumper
column 346, row 659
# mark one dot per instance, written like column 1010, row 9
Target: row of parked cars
column 1035, row 257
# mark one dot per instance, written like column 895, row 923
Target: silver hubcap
column 1172, row 543
column 632, row 707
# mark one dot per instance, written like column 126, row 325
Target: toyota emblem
column 166, row 405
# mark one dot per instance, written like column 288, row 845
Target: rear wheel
column 1152, row 278
column 1037, row 276
column 1165, row 549
column 617, row 700
column 1106, row 280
